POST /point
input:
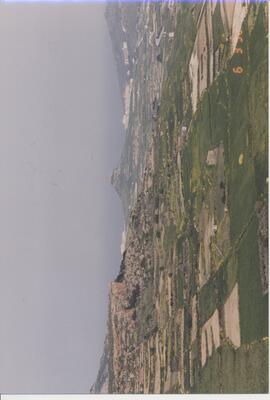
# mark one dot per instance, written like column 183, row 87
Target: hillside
column 188, row 312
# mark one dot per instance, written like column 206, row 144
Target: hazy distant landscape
column 134, row 197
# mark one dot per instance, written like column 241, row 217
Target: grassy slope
column 232, row 111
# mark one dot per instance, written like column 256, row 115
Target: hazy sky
column 60, row 219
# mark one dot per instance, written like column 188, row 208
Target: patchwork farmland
column 188, row 312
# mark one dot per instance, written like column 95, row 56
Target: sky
column 60, row 219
